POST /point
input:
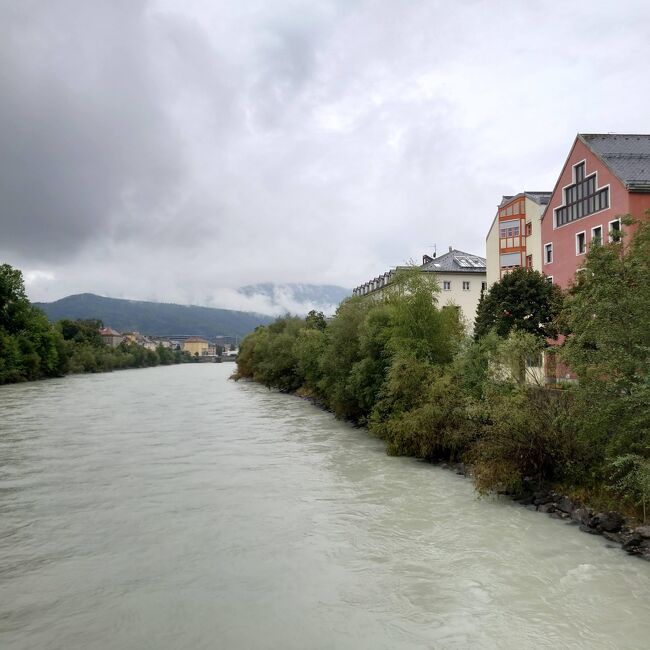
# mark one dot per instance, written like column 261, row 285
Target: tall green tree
column 29, row 347
column 608, row 315
column 523, row 300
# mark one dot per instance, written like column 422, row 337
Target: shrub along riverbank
column 402, row 366
column 33, row 348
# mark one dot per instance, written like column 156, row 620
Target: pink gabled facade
column 604, row 177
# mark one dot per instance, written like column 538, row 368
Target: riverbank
column 403, row 366
column 633, row 538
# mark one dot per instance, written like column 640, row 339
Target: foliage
column 422, row 411
column 400, row 364
column 608, row 314
column 520, row 356
column 32, row 348
column 527, row 433
column 29, row 347
column 523, row 300
column 630, row 477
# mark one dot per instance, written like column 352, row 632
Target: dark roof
column 456, row 261
column 109, row 331
column 627, row 155
column 541, row 198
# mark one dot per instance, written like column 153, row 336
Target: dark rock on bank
column 611, row 525
column 581, row 515
column 566, row 505
column 585, row 528
column 607, row 522
column 542, row 498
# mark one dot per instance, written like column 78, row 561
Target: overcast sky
column 177, row 149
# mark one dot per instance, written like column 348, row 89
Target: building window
column 548, row 253
column 529, row 229
column 597, row 235
column 483, row 286
column 509, row 228
column 510, row 260
column 465, row 285
column 529, row 261
column 549, row 279
column 582, row 198
column 614, row 230
column 581, row 243
column 446, row 285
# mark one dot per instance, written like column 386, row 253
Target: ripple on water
column 172, row 508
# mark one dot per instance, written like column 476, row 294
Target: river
column 171, row 508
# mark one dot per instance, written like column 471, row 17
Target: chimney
column 450, row 249
column 426, row 259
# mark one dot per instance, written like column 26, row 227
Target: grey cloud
column 183, row 149
column 83, row 137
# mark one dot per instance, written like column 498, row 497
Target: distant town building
column 224, row 341
column 605, row 176
column 461, row 276
column 514, row 239
column 111, row 337
column 196, row 345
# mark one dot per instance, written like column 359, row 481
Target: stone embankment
column 611, row 525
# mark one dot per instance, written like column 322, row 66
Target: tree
column 608, row 314
column 15, row 308
column 524, row 300
column 81, row 331
column 30, row 348
column 316, row 320
column 420, row 327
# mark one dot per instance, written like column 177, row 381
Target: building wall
column 512, row 216
column 195, row 346
column 492, row 253
column 534, row 240
column 566, row 261
column 467, row 300
column 526, row 247
column 112, row 341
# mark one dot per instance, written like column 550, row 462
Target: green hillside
column 154, row 318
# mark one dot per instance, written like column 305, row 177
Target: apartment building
column 514, row 238
column 604, row 177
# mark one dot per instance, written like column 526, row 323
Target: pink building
column 604, row 177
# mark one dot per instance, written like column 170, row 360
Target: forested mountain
column 154, row 318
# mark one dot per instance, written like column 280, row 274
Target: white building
column 461, row 277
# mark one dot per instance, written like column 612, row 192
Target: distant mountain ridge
column 155, row 318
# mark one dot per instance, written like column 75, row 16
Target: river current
column 170, row 508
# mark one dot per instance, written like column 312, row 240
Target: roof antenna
column 434, row 247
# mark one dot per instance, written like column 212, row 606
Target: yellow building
column 196, row 345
